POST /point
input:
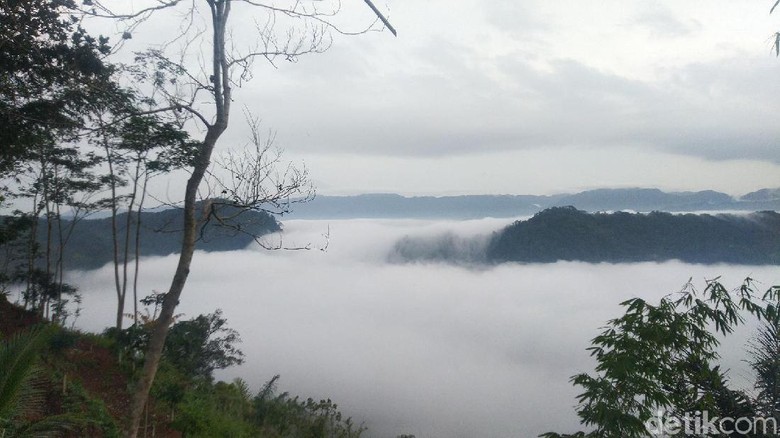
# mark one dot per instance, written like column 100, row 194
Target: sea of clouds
column 434, row 349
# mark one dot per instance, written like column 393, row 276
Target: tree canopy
column 51, row 73
column 656, row 364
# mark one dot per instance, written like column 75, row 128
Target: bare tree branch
column 253, row 179
column 387, row 23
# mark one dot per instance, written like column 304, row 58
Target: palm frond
column 18, row 355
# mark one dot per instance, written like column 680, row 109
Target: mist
column 429, row 348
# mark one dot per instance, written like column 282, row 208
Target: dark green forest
column 90, row 245
column 565, row 233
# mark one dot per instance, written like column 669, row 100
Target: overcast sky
column 538, row 97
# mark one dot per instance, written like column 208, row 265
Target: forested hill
column 565, row 233
column 90, row 247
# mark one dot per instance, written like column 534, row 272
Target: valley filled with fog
column 435, row 349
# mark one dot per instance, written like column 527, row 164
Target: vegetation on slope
column 565, row 233
column 90, row 246
column 59, row 382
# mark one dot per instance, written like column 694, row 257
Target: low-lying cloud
column 429, row 349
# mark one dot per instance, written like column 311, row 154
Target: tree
column 135, row 148
column 662, row 358
column 54, row 86
column 57, row 176
column 765, row 362
column 222, row 71
column 51, row 71
column 199, row 346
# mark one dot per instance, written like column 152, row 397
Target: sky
column 430, row 349
column 532, row 97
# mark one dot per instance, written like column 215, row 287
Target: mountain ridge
column 390, row 205
column 89, row 244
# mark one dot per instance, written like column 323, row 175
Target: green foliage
column 44, row 289
column 22, row 396
column 12, row 228
column 18, row 356
column 283, row 416
column 765, row 362
column 565, row 233
column 199, row 346
column 662, row 357
column 228, row 410
column 92, row 413
column 219, row 410
column 50, row 69
column 197, row 406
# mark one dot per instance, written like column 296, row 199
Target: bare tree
column 182, row 89
column 256, row 179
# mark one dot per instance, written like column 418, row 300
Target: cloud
column 427, row 349
column 456, row 102
column 490, row 80
column 457, row 84
column 661, row 22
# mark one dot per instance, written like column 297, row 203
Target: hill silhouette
column 90, row 243
column 565, row 233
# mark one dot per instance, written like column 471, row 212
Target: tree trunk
column 120, row 308
column 138, row 248
column 222, row 99
column 163, row 322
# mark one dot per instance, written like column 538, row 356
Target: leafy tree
column 201, row 345
column 663, row 358
column 765, row 362
column 51, row 71
column 135, row 147
column 55, row 91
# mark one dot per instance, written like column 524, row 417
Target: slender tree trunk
column 138, row 247
column 163, row 322
column 120, row 307
column 222, row 99
column 58, row 268
column 128, row 230
column 44, row 310
column 32, row 250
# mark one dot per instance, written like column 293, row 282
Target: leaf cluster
column 663, row 358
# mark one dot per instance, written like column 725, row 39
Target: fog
column 431, row 349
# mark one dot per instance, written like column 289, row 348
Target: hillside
column 71, row 384
column 89, row 244
column 565, row 233
column 81, row 378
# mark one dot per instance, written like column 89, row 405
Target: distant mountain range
column 89, row 245
column 479, row 206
